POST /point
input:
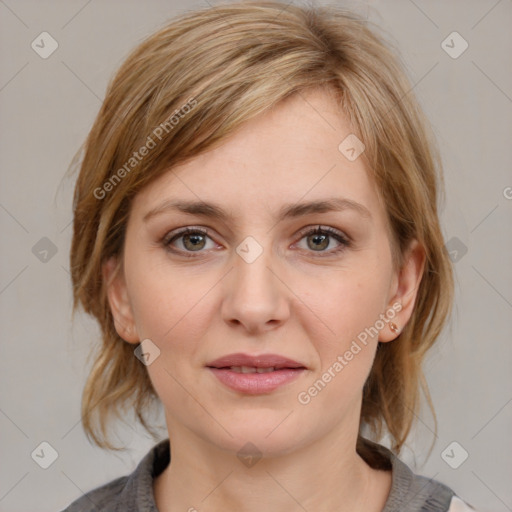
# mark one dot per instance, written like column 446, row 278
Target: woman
column 256, row 232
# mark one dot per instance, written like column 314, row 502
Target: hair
column 229, row 63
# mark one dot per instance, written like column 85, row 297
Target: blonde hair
column 233, row 62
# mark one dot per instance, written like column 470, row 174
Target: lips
column 243, row 363
column 255, row 375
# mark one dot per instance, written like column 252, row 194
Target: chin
column 269, row 436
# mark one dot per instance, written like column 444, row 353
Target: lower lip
column 256, row 383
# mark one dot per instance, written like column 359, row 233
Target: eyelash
column 344, row 241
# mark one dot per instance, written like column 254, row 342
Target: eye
column 192, row 240
column 319, row 238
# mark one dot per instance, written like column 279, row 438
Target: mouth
column 246, row 363
column 250, row 369
column 255, row 374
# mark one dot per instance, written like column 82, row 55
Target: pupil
column 322, row 238
column 195, row 239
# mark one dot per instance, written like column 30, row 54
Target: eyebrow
column 289, row 211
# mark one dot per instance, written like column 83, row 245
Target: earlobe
column 117, row 293
column 407, row 281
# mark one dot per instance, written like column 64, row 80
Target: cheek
column 167, row 305
column 350, row 303
column 171, row 311
column 349, row 307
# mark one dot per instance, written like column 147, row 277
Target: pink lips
column 255, row 374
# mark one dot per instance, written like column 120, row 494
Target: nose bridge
column 252, row 267
column 254, row 294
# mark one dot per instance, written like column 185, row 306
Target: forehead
column 288, row 154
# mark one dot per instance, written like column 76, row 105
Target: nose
column 255, row 296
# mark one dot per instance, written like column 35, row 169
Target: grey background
column 48, row 106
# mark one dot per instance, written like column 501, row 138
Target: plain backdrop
column 48, row 106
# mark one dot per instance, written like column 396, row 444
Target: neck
column 325, row 475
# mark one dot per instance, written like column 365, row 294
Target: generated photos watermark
column 305, row 397
column 137, row 156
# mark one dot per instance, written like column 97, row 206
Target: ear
column 117, row 293
column 404, row 290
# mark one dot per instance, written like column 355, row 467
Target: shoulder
column 409, row 491
column 101, row 498
column 457, row 505
column 132, row 492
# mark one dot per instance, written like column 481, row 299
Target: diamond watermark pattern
column 454, row 45
column 44, row 250
column 456, row 249
column 44, row 455
column 454, row 455
column 249, row 455
column 147, row 352
column 44, row 45
column 250, row 250
column 351, row 147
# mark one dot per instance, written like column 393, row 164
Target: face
column 268, row 276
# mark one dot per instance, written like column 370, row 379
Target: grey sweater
column 134, row 492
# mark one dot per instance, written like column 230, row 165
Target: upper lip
column 260, row 361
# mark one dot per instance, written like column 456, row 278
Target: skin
column 299, row 299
